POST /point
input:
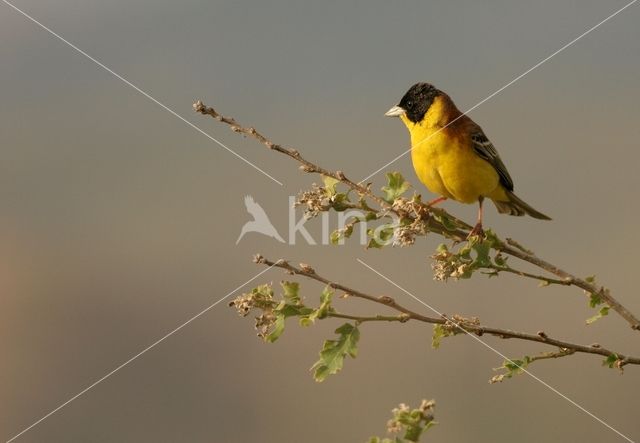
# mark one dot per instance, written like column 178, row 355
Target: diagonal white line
column 106, row 68
column 485, row 344
column 489, row 97
column 152, row 345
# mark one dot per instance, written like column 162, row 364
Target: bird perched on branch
column 452, row 157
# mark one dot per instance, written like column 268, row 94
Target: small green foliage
column 346, row 231
column 290, row 293
column 281, row 313
column 277, row 328
column 610, row 361
column 456, row 325
column 601, row 313
column 380, row 236
column 470, row 257
column 462, row 264
column 271, row 322
column 262, row 296
column 324, row 308
column 334, row 352
column 482, row 250
column 510, row 368
column 340, row 202
column 595, row 299
column 412, row 423
column 444, row 219
column 440, row 332
column 330, row 185
column 614, row 362
column 338, row 235
column 500, row 260
column 396, row 186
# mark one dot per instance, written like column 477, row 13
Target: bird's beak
column 396, row 111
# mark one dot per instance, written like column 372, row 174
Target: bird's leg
column 477, row 229
column 435, row 201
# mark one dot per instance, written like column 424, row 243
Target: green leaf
column 491, row 237
column 336, row 236
column 334, row 352
column 396, row 186
column 293, row 310
column 282, row 312
column 278, row 328
column 339, row 234
column 322, row 310
column 330, row 184
column 447, row 222
column 340, row 202
column 594, row 300
column 370, row 216
column 442, row 331
column 500, row 260
column 482, row 249
column 511, row 368
column 291, row 290
column 438, row 334
column 325, row 302
column 601, row 313
column 610, row 361
column 380, row 237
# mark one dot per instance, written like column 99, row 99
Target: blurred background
column 118, row 221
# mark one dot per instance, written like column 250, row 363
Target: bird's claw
column 477, row 231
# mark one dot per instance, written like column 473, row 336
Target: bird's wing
column 485, row 150
column 254, row 208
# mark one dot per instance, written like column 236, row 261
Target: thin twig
column 603, row 293
column 362, row 319
column 406, row 314
column 542, row 278
column 307, row 166
column 562, row 352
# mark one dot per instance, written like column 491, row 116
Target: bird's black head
column 417, row 101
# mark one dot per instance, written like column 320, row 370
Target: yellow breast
column 446, row 164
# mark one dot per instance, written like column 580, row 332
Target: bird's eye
column 409, row 104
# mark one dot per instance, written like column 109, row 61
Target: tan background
column 118, row 222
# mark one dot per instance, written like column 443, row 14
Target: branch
column 307, row 166
column 463, row 325
column 433, row 220
column 600, row 291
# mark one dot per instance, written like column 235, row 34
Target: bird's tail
column 516, row 206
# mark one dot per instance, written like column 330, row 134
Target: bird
column 260, row 222
column 453, row 157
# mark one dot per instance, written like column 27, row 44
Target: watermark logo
column 260, row 223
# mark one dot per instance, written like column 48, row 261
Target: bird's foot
column 477, row 231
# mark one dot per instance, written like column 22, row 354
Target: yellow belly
column 447, row 168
